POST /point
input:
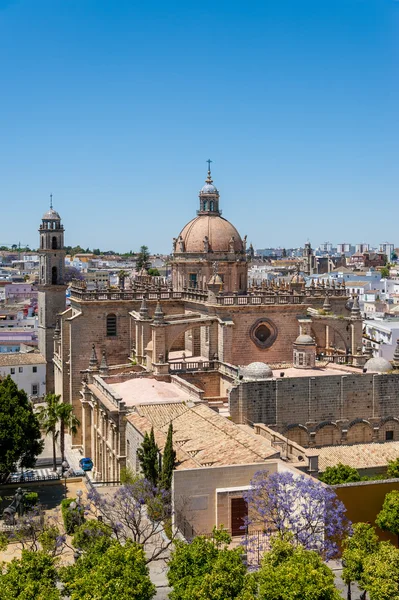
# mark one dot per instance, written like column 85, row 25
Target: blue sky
column 114, row 106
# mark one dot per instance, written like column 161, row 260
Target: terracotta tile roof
column 201, row 435
column 359, row 456
column 12, row 359
column 144, row 426
column 163, row 414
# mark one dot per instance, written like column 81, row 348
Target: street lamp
column 65, row 466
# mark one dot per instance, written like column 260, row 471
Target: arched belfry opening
column 54, row 243
column 54, row 276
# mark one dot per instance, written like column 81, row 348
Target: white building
column 27, row 370
column 383, row 336
column 387, row 248
column 96, row 278
column 344, row 248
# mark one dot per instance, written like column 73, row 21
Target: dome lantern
column 209, row 196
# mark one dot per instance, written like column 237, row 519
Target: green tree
column 388, row 517
column 116, row 572
column 393, row 468
column 357, row 548
column 143, row 259
column 128, row 476
column 148, row 455
column 20, row 439
column 32, row 577
column 168, row 461
column 290, row 572
column 381, row 573
column 67, row 420
column 206, row 569
column 384, row 272
column 88, row 534
column 153, row 272
column 339, row 474
column 54, row 418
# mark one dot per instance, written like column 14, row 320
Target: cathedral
column 206, row 327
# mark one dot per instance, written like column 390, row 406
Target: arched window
column 42, row 273
column 211, row 205
column 54, row 243
column 41, row 242
column 54, row 276
column 111, row 325
column 205, row 205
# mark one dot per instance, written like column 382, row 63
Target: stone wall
column 202, row 496
column 323, row 410
column 238, row 348
column 208, row 381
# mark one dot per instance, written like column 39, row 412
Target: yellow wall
column 364, row 501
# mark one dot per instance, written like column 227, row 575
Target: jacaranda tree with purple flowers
column 139, row 512
column 281, row 503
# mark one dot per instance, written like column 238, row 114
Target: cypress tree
column 148, row 458
column 169, row 461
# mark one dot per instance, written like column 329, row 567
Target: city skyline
column 115, row 110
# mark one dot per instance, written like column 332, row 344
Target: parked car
column 75, row 473
column 22, row 476
column 86, row 464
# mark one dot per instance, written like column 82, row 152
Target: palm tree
column 54, row 417
column 67, row 421
column 122, row 276
column 48, row 418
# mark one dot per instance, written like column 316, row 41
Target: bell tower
column 51, row 295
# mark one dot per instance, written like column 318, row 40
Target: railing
column 259, row 300
column 338, row 359
column 186, row 367
column 32, row 478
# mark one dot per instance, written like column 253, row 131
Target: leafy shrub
column 339, row 474
column 30, row 499
column 88, row 534
column 72, row 517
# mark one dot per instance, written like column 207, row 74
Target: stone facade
column 202, row 497
column 51, row 294
column 212, row 317
column 345, row 408
column 103, row 427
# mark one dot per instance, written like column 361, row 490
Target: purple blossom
column 284, row 502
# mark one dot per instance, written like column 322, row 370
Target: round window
column 263, row 333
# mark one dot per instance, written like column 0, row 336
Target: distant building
column 27, row 370
column 362, row 248
column 97, row 278
column 20, row 292
column 383, row 336
column 325, row 247
column 345, row 248
column 368, row 259
column 388, row 249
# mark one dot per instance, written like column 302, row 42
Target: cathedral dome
column 378, row 365
column 219, row 231
column 305, row 340
column 51, row 215
column 209, row 188
column 255, row 370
